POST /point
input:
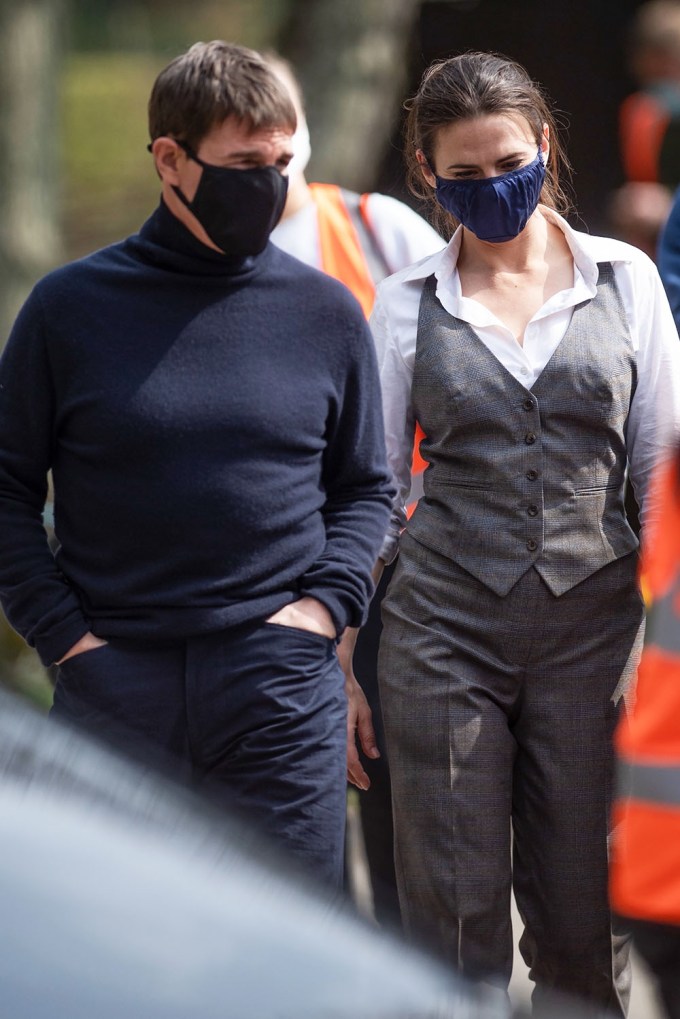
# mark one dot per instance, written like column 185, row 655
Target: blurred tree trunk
column 29, row 236
column 352, row 60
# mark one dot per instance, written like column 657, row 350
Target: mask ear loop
column 191, row 154
column 187, row 148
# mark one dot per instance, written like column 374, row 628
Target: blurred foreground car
column 124, row 896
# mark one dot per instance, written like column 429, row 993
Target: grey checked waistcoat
column 517, row 477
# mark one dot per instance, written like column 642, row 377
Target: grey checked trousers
column 499, row 714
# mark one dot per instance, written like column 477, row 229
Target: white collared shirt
column 654, row 421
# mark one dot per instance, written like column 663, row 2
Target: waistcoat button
column 528, row 404
column 532, row 475
column 532, row 545
column 530, row 438
column 532, row 511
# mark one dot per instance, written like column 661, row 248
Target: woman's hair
column 477, row 85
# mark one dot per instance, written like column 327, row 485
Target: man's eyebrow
column 244, row 153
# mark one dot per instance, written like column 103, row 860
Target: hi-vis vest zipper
column 645, row 872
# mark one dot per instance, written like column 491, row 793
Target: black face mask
column 238, row 209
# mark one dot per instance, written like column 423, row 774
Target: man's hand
column 306, row 614
column 86, row 643
column 359, row 717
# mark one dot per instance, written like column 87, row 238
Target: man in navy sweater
column 209, row 409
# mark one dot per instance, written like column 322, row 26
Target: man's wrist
column 307, row 613
column 86, row 643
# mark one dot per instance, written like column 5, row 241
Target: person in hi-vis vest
column 358, row 239
column 649, row 126
column 645, row 871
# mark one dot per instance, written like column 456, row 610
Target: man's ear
column 425, row 168
column 167, row 155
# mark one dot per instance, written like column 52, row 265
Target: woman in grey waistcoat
column 543, row 366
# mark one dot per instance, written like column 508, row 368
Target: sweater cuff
column 341, row 614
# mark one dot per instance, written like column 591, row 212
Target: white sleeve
column 404, row 237
column 654, row 420
column 395, row 380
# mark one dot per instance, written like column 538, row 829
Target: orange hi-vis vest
column 642, row 124
column 645, row 871
column 344, row 223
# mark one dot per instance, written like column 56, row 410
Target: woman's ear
column 425, row 168
column 545, row 143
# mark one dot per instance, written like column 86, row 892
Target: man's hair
column 284, row 70
column 213, row 81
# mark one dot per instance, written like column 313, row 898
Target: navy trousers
column 254, row 717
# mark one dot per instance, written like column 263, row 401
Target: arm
column 359, row 719
column 36, row 598
column 358, row 499
column 357, row 487
column 399, row 422
column 669, row 259
column 395, row 379
column 654, row 420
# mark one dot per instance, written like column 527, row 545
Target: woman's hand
column 359, row 717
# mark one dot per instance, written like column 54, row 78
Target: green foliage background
column 109, row 185
column 115, row 50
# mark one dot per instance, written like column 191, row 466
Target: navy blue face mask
column 494, row 208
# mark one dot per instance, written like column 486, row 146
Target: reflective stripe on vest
column 655, row 784
column 663, row 620
column 343, row 225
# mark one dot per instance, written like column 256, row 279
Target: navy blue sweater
column 215, row 435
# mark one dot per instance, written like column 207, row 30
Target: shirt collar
column 587, row 251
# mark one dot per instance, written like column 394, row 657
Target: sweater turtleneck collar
column 165, row 242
